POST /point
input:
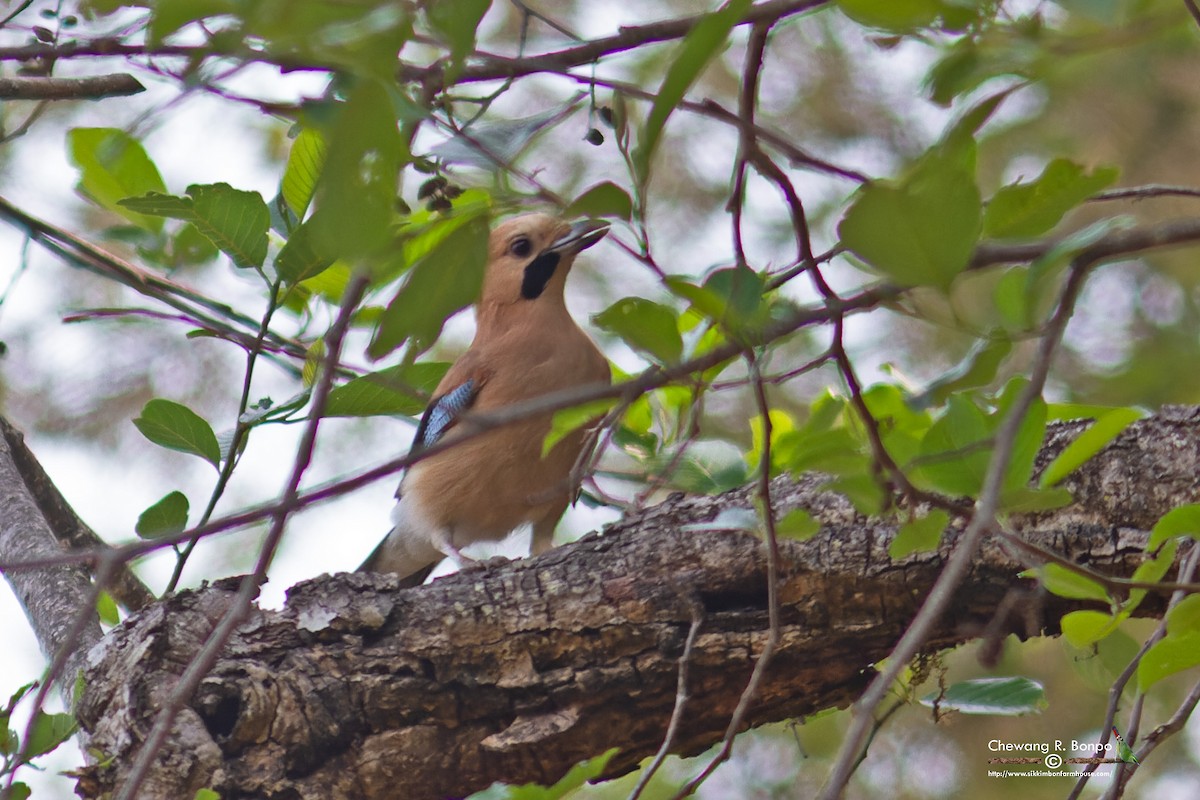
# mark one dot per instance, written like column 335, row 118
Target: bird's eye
column 520, row 247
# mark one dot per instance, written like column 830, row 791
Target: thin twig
column 242, row 601
column 681, row 698
column 772, row 545
column 960, row 560
column 90, row 87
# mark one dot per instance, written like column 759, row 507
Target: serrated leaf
column 567, row 420
column 106, row 609
column 797, row 524
column 648, row 327
column 921, row 230
column 605, row 199
column 1008, row 697
column 1085, row 628
column 305, row 160
column 698, row 48
column 169, row 515
column 1181, row 521
column 235, row 221
column 1026, row 210
column 919, row 535
column 177, row 427
column 113, row 166
column 1065, row 583
column 1106, row 428
column 47, row 732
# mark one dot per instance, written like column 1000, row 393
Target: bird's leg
column 441, row 540
column 543, row 534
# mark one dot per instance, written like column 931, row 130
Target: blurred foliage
column 899, row 135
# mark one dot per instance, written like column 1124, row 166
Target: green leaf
column 1173, row 653
column 442, row 282
column 1028, row 440
column 19, row 791
column 303, row 169
column 1025, row 210
column 169, row 515
column 1085, row 628
column 919, row 535
column 356, row 192
column 402, row 389
column 698, row 48
column 1106, row 428
column 580, row 774
column 863, row 491
column 455, row 23
column 919, row 231
column 1151, row 571
column 106, row 609
column 897, row 16
column 206, row 794
column 298, row 260
column 233, row 220
column 112, row 166
column 978, row 368
column 1181, row 521
column 1007, row 697
column 1025, row 500
column 1065, row 583
column 48, row 732
column 956, row 450
column 171, row 15
column 646, row 326
column 568, row 420
column 177, row 427
column 605, row 199
column 797, row 524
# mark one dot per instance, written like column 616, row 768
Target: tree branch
column 91, row 87
column 360, row 689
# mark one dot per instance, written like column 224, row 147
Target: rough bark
column 358, row 689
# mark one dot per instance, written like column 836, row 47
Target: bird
column 526, row 345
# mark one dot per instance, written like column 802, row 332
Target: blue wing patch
column 442, row 413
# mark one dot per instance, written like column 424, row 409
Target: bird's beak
column 581, row 236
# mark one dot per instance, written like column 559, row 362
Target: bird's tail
column 410, row 560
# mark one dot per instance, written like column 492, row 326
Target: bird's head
column 529, row 257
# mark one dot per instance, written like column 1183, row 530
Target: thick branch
column 51, row 596
column 358, row 689
column 91, row 87
column 64, row 523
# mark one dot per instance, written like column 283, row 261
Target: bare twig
column 681, row 698
column 960, row 560
column 250, row 585
column 90, row 87
column 772, row 544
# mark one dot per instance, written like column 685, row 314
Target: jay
column 526, row 345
